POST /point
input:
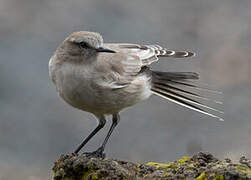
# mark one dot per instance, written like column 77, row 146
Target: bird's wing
column 148, row 53
column 117, row 70
column 127, row 63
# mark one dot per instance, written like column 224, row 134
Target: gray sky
column 36, row 126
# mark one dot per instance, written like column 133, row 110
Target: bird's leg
column 115, row 121
column 101, row 124
column 100, row 151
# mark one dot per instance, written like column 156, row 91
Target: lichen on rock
column 201, row 166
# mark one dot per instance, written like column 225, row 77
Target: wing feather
column 149, row 53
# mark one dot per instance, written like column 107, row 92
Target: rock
column 201, row 166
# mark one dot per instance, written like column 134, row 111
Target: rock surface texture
column 201, row 166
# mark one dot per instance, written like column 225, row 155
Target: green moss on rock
column 184, row 159
column 202, row 176
column 200, row 167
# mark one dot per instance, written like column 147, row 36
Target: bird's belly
column 101, row 101
column 78, row 94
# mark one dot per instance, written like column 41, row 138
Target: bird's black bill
column 101, row 49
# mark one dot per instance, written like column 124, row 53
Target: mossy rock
column 201, row 166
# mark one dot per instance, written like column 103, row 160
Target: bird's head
column 84, row 44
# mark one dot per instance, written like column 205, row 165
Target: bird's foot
column 74, row 154
column 99, row 153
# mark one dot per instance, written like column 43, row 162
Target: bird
column 105, row 78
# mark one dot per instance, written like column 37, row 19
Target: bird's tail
column 163, row 52
column 173, row 87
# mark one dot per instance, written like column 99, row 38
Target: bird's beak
column 101, row 49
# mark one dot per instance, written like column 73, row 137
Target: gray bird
column 103, row 78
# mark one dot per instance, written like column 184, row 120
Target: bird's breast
column 74, row 86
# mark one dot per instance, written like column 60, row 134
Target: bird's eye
column 84, row 45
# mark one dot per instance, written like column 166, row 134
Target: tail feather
column 185, row 104
column 182, row 91
column 175, row 75
column 186, row 84
column 184, row 98
column 160, row 51
column 164, row 85
column 177, row 54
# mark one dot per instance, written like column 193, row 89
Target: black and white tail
column 163, row 52
column 167, row 85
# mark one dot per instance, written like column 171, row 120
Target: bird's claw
column 74, row 154
column 99, row 153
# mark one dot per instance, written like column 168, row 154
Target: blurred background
column 36, row 126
